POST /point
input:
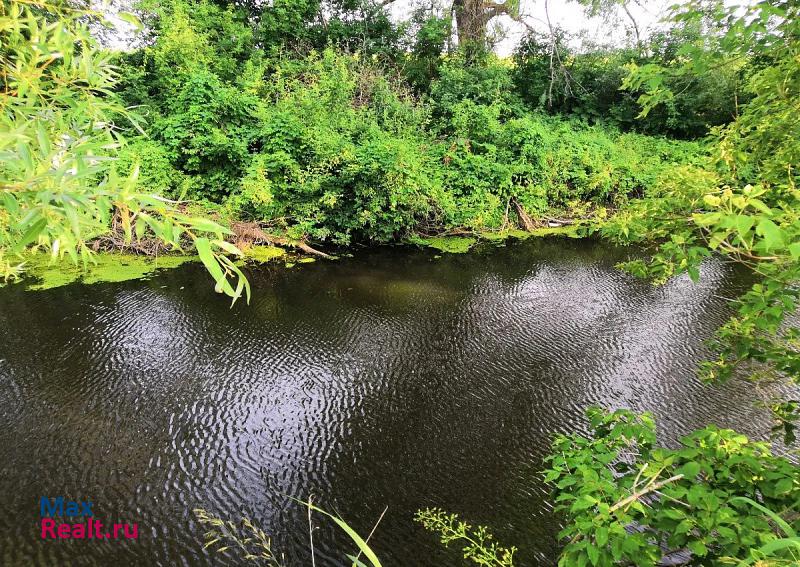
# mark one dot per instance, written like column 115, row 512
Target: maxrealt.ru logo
column 76, row 520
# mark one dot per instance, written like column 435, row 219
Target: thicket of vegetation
column 330, row 123
column 334, row 146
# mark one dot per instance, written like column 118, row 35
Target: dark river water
column 393, row 378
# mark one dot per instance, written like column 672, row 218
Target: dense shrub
column 487, row 83
column 156, row 174
column 628, row 501
column 335, row 147
column 339, row 154
column 589, row 85
column 208, row 131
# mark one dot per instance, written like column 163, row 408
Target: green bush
column 628, row 501
column 340, row 155
column 335, row 147
column 156, row 172
column 208, row 132
column 590, row 85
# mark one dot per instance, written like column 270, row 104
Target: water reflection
column 393, row 378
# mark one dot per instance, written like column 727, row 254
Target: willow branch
column 645, row 491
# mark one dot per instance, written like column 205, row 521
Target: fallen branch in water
column 560, row 222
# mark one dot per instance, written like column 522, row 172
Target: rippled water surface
column 390, row 379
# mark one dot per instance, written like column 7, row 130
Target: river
column 393, row 378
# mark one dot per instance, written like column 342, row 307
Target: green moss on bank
column 119, row 267
column 567, row 230
column 570, row 230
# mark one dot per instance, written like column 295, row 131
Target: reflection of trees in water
column 482, row 404
column 392, row 378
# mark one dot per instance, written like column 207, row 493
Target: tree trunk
column 472, row 17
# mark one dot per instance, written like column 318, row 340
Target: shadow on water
column 393, row 378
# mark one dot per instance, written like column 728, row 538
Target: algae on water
column 461, row 244
column 451, row 244
column 119, row 266
column 263, row 253
column 564, row 230
column 104, row 267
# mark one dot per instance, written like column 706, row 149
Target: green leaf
column 690, row 470
column 698, row 548
column 674, row 514
column 227, row 247
column 362, row 545
column 771, row 233
column 684, row 527
column 601, row 536
column 31, row 234
column 769, row 549
column 141, row 227
column 131, row 19
column 757, row 204
column 203, row 247
column 780, row 522
column 593, row 552
column 783, row 486
column 206, row 225
column 356, row 561
column 43, row 138
column 743, row 224
column 583, row 503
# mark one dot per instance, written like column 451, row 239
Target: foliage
column 252, row 545
column 57, row 139
column 746, row 206
column 332, row 147
column 421, row 67
column 338, row 155
column 488, row 84
column 478, row 547
column 157, row 175
column 497, row 151
column 325, row 121
column 589, row 85
column 208, row 132
column 785, row 550
column 630, row 502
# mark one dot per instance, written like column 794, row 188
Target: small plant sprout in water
column 251, row 544
column 245, row 539
column 363, row 545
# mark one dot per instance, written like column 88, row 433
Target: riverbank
column 42, row 272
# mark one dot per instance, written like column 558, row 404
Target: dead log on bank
column 525, row 219
column 247, row 233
